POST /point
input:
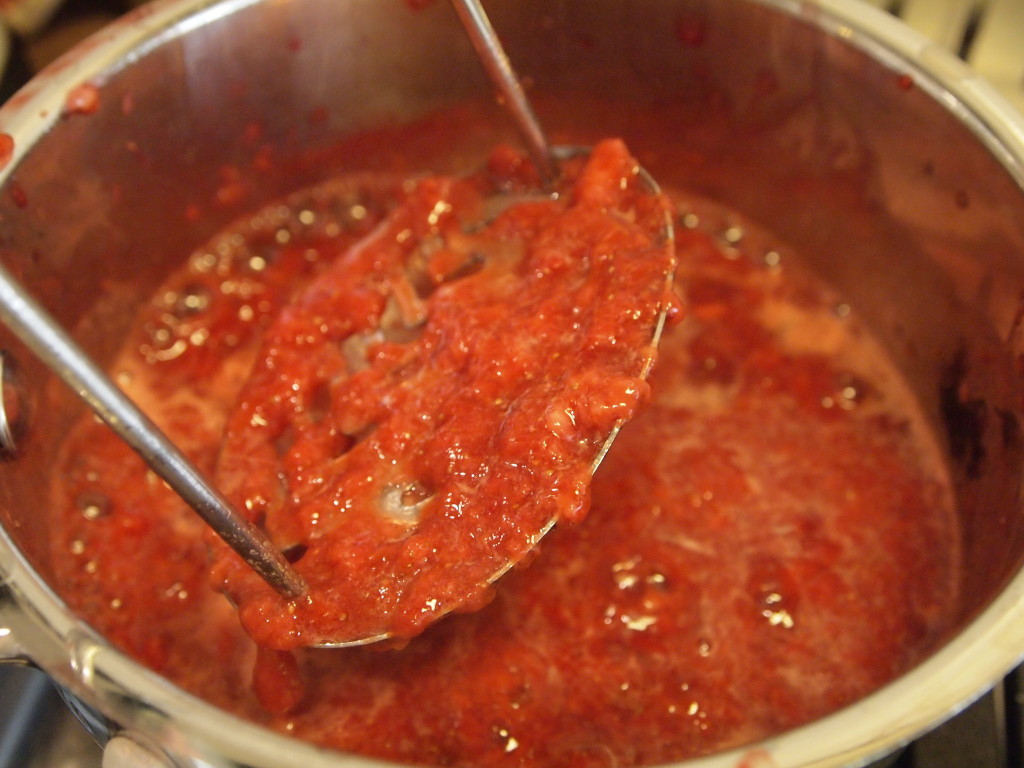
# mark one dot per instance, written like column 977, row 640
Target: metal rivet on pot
column 124, row 751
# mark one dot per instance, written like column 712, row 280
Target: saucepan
column 883, row 159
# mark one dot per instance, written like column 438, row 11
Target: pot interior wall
column 846, row 160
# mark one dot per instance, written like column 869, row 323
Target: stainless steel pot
column 874, row 153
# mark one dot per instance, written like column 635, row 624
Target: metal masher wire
column 497, row 65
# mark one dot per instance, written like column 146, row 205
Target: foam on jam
column 773, row 538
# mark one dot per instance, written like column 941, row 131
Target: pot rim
column 36, row 624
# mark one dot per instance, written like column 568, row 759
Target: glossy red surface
column 428, row 406
column 772, row 538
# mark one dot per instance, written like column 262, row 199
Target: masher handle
column 27, row 319
column 496, row 62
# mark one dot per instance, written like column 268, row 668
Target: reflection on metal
column 10, row 412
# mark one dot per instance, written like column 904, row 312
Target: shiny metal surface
column 826, row 121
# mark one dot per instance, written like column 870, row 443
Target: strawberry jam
column 428, row 406
column 771, row 538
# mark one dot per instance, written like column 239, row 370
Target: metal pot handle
column 122, row 750
column 10, row 651
column 126, row 751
